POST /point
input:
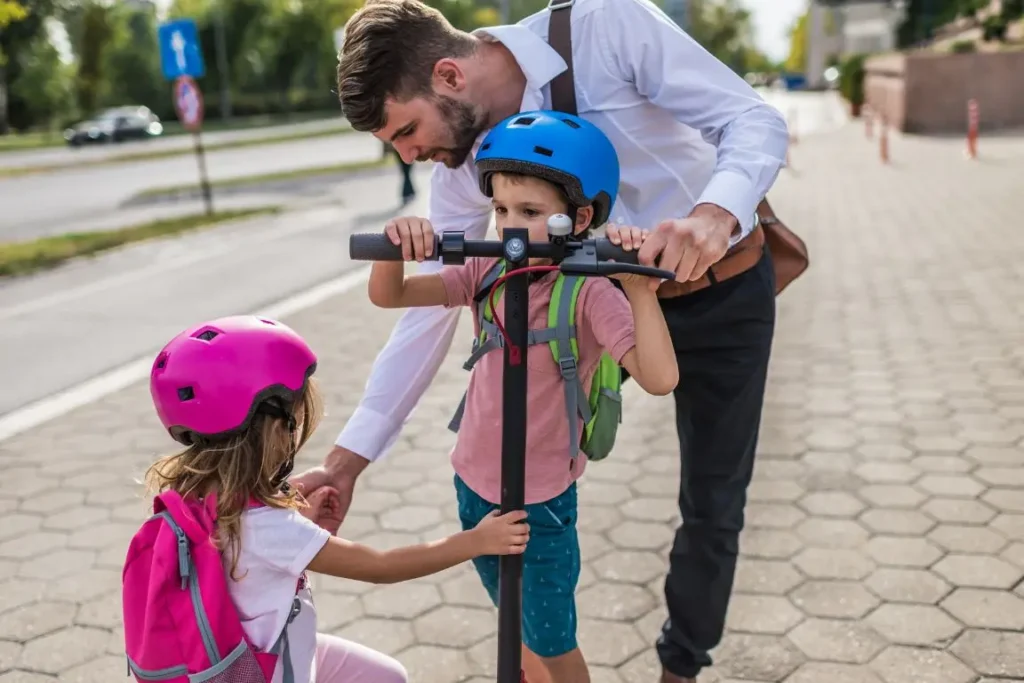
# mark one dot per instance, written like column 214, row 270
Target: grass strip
column 164, row 153
column 21, row 258
column 267, row 178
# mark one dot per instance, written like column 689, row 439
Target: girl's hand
column 630, row 238
column 414, row 235
column 502, row 534
column 324, row 508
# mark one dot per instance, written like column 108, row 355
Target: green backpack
column 601, row 412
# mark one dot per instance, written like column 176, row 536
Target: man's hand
column 340, row 470
column 689, row 246
column 322, row 508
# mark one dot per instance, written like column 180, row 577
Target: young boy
column 534, row 165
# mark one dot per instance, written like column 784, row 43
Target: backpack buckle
column 567, row 367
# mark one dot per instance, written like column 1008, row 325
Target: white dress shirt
column 687, row 130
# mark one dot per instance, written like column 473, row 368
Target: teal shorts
column 551, row 568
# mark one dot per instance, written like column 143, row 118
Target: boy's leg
column 551, row 570
column 342, row 661
column 722, row 336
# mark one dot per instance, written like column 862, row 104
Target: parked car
column 115, row 125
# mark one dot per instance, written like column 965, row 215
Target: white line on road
column 54, row 406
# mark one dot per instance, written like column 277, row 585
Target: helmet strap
column 573, row 211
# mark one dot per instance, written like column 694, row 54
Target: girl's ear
column 584, row 215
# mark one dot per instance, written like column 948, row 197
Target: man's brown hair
column 390, row 49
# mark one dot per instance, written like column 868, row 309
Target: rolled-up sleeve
column 644, row 47
column 420, row 340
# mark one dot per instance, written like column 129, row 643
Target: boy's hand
column 415, row 235
column 502, row 535
column 324, row 508
column 629, row 238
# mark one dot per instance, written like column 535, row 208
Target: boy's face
column 527, row 202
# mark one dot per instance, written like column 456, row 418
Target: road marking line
column 65, row 401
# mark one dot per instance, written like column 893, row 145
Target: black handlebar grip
column 376, row 246
column 606, row 251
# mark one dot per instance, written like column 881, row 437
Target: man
column 699, row 150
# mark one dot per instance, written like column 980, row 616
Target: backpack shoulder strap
column 562, row 318
column 563, row 88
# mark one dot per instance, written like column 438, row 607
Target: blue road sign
column 180, row 54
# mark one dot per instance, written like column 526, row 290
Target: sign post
column 182, row 63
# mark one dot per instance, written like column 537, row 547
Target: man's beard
column 464, row 128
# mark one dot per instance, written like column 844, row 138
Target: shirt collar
column 538, row 60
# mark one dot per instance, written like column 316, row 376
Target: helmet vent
column 524, row 121
column 542, row 150
column 484, row 147
column 186, row 394
column 267, row 322
column 161, row 362
column 570, row 123
column 206, row 335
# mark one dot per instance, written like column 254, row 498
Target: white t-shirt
column 276, row 547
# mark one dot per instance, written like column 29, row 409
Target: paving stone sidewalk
column 885, row 527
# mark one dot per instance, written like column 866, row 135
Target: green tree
column 131, row 61
column 97, row 30
column 44, row 84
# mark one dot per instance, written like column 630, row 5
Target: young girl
column 535, row 165
column 237, row 392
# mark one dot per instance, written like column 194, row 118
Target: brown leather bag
column 789, row 253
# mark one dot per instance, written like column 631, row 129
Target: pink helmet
column 209, row 380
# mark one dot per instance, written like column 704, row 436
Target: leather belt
column 743, row 256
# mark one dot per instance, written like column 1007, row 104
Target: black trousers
column 722, row 336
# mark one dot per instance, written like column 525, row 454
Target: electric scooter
column 572, row 257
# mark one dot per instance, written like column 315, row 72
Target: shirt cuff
column 311, row 549
column 734, row 193
column 368, row 434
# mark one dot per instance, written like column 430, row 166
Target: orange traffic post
column 972, row 128
column 883, row 140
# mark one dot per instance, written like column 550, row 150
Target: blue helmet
column 561, row 148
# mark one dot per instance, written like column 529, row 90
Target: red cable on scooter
column 514, row 352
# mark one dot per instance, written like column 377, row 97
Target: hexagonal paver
column 76, row 518
column 769, row 543
column 994, row 455
column 59, row 563
column 1001, row 476
column 389, row 636
column 835, row 640
column 913, row 624
column 772, row 515
column 411, row 518
column 650, row 509
column 757, row 658
column 885, row 451
column 15, row 676
column 899, row 551
column 915, row 665
column 774, row 491
column 941, row 463
column 1014, row 554
column 897, row 522
column 823, row 563
column 770, row 577
column 817, row 672
column 992, row 653
column 946, row 444
column 959, row 510
column 36, row 619
column 630, row 566
column 841, row 599
column 831, row 504
column 978, row 571
column 1011, row 526
column 614, row 601
column 632, row 535
column 967, row 539
column 608, row 643
column 907, row 585
column 886, row 472
column 1007, row 500
column 452, row 626
column 892, row 495
column 18, row 592
column 951, row 485
column 832, row 533
column 432, row 664
column 63, row 649
column 986, row 608
column 831, row 461
column 401, row 601
column 769, row 614
column 32, row 545
column 17, row 524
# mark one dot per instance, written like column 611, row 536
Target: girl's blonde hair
column 242, row 467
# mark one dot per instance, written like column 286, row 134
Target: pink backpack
column 180, row 624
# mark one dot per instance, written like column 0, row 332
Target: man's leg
column 722, row 337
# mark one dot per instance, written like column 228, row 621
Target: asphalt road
column 48, row 203
column 54, row 156
column 62, row 327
